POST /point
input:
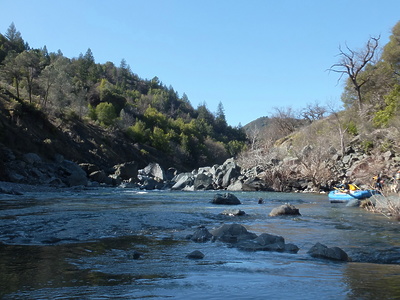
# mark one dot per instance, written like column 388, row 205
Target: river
column 80, row 244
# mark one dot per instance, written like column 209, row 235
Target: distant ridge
column 259, row 123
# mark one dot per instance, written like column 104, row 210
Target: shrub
column 352, row 128
column 105, row 113
column 138, row 132
column 159, row 139
column 367, row 146
column 382, row 117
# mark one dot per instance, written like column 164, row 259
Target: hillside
column 24, row 129
column 101, row 113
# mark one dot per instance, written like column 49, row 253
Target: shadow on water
column 32, row 267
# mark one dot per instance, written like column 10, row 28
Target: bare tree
column 352, row 63
column 285, row 120
column 313, row 112
column 254, row 134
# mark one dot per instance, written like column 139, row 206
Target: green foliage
column 160, row 140
column 367, row 146
column 154, row 118
column 392, row 101
column 138, row 132
column 109, row 93
column 105, row 113
column 235, row 147
column 151, row 113
column 352, row 128
column 386, row 145
column 92, row 113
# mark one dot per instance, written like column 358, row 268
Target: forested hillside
column 73, row 95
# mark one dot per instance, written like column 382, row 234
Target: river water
column 81, row 245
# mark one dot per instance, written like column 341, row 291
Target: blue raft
column 338, row 196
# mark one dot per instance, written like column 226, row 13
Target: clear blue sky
column 251, row 55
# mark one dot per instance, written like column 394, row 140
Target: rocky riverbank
column 283, row 175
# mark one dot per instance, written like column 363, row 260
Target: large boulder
column 72, row 174
column 126, row 171
column 231, row 172
column 154, row 170
column 203, row 182
column 100, row 177
column 232, row 233
column 182, row 180
column 268, row 242
column 235, row 186
column 321, row 251
column 254, row 184
column 285, row 209
column 89, row 168
column 201, row 235
column 227, row 199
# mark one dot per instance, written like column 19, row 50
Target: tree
column 105, row 113
column 391, row 51
column 47, row 79
column 29, row 62
column 352, row 63
column 15, row 41
column 285, row 121
column 313, row 112
column 392, row 101
column 11, row 71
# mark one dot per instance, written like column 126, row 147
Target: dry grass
column 385, row 204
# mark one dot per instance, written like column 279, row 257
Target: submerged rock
column 233, row 212
column 201, row 235
column 286, row 209
column 135, row 254
column 268, row 242
column 321, row 251
column 195, row 255
column 232, row 233
column 227, row 199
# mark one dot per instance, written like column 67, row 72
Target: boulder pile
column 238, row 236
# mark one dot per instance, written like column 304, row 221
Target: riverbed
column 83, row 244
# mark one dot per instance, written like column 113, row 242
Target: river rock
column 31, row 158
column 232, row 171
column 100, row 177
column 182, row 180
column 254, row 184
column 268, row 242
column 321, row 251
column 227, row 199
column 9, row 191
column 195, row 255
column 135, row 254
column 73, row 174
column 203, row 182
column 126, row 171
column 285, row 209
column 233, row 212
column 232, row 233
column 154, row 170
column 201, row 235
column 235, row 186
